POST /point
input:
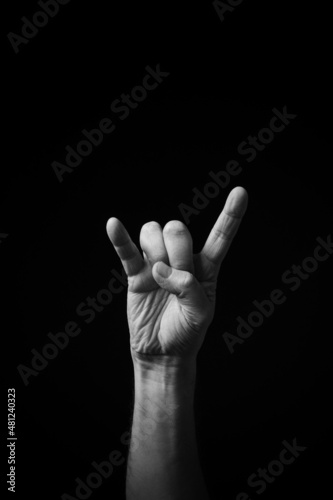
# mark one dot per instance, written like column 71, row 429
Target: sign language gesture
column 171, row 291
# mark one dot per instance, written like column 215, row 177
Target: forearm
column 163, row 462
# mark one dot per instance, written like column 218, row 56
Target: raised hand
column 171, row 292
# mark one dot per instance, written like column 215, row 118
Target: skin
column 170, row 305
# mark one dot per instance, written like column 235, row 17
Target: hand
column 171, row 292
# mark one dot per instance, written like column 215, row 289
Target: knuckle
column 188, row 279
column 233, row 213
column 228, row 230
column 223, row 234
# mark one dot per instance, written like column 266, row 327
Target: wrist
column 164, row 392
column 163, row 371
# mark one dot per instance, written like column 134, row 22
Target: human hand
column 171, row 292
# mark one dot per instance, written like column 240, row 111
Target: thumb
column 181, row 283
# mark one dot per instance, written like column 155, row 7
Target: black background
column 225, row 79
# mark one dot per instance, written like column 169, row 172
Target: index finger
column 226, row 226
column 127, row 251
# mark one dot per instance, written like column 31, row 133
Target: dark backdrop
column 225, row 78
